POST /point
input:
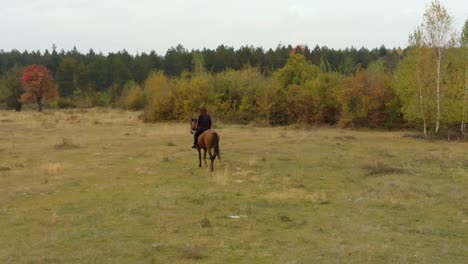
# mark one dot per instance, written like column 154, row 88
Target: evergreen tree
column 66, row 76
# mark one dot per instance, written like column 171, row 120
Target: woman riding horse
column 205, row 138
column 203, row 124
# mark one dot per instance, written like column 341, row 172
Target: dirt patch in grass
column 205, row 223
column 66, row 144
column 379, row 168
column 3, row 168
column 190, row 252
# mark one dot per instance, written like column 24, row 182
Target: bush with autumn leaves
column 300, row 92
column 38, row 85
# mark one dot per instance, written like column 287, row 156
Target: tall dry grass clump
column 51, row 169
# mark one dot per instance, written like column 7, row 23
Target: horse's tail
column 216, row 145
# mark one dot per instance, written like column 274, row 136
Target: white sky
column 145, row 25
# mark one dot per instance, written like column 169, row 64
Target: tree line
column 100, row 71
column 104, row 77
column 423, row 85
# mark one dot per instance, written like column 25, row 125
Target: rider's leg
column 195, row 137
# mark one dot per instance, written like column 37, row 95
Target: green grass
column 98, row 186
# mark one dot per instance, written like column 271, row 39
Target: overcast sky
column 145, row 25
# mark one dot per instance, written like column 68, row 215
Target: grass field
column 99, row 186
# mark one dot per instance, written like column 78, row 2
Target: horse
column 208, row 140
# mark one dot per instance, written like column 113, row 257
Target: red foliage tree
column 38, row 83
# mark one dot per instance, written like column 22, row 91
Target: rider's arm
column 198, row 122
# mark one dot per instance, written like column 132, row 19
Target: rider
column 203, row 123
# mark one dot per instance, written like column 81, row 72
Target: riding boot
column 195, row 139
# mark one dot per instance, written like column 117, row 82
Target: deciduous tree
column 464, row 48
column 438, row 34
column 10, row 88
column 296, row 71
column 38, row 83
column 366, row 96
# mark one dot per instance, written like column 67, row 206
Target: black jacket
column 204, row 122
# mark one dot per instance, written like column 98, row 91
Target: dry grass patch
column 319, row 197
column 205, row 223
column 4, row 168
column 222, row 178
column 378, row 168
column 253, row 160
column 66, row 144
column 383, row 153
column 190, row 252
column 345, row 138
column 297, row 199
column 53, row 219
column 52, row 169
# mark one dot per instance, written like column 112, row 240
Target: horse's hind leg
column 199, row 158
column 204, row 156
column 212, row 158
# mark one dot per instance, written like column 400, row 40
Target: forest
column 423, row 86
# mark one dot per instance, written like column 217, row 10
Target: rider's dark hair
column 203, row 110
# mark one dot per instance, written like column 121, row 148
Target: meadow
column 100, row 186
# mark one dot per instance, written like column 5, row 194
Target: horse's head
column 193, row 125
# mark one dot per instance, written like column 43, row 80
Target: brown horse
column 208, row 140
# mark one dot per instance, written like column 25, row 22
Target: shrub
column 159, row 100
column 62, row 103
column 132, row 97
